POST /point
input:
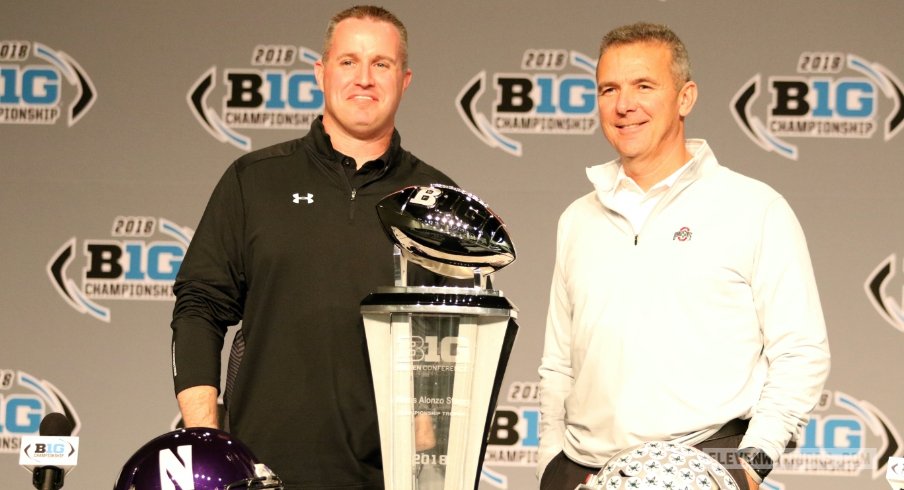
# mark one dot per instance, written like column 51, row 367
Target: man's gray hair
column 645, row 32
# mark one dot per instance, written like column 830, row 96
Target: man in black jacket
column 289, row 245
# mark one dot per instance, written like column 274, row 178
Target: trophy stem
column 400, row 264
column 480, row 280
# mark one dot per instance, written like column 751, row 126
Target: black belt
column 734, row 427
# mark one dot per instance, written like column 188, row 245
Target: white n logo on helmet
column 171, row 468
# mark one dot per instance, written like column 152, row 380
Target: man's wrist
column 756, row 462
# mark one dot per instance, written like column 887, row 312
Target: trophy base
column 438, row 355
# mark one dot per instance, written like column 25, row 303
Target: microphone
column 895, row 473
column 52, row 454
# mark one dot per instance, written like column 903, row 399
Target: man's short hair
column 645, row 32
column 367, row 12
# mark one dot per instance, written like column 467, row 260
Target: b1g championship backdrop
column 117, row 119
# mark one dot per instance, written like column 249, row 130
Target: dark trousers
column 564, row 474
column 720, row 449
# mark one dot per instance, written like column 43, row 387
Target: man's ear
column 687, row 97
column 318, row 72
column 406, row 79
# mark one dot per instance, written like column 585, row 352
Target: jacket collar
column 323, row 146
column 604, row 177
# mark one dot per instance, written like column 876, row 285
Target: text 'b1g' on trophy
column 438, row 353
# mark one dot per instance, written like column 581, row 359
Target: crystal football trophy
column 438, row 353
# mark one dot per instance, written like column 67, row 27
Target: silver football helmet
column 661, row 465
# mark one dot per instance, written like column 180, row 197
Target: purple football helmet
column 195, row 458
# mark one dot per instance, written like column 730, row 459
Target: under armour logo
column 682, row 235
column 297, row 198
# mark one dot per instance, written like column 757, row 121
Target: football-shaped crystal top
column 446, row 230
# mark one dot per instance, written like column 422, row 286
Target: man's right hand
column 198, row 405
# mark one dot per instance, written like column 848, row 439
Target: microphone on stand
column 52, row 454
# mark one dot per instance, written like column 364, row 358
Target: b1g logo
column 845, row 437
column 514, row 434
column 24, row 401
column 547, row 100
column 273, row 95
column 889, row 308
column 33, row 82
column 131, row 265
column 436, row 349
column 834, row 95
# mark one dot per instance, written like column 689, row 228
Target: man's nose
column 364, row 76
column 626, row 101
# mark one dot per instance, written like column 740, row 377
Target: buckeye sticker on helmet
column 661, row 465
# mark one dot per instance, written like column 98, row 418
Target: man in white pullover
column 683, row 305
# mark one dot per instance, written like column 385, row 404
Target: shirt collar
column 324, row 145
column 625, row 183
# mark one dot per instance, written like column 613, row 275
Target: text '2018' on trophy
column 438, row 353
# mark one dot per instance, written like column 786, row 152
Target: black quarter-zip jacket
column 289, row 248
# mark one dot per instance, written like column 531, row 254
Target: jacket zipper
column 351, row 204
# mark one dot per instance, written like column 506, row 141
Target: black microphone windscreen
column 55, row 424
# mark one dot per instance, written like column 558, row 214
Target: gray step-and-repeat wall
column 117, row 118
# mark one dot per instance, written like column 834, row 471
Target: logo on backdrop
column 34, row 81
column 514, row 434
column 133, row 264
column 24, row 401
column 833, row 95
column 273, row 94
column 889, row 308
column 845, row 437
column 554, row 94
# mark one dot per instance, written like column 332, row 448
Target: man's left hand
column 751, row 483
